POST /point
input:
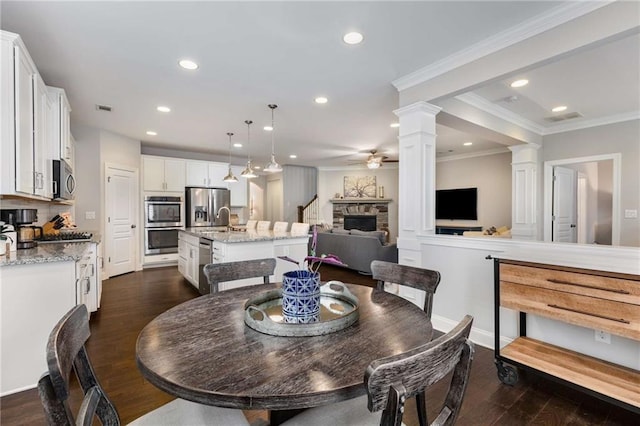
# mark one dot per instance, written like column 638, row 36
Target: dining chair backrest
column 418, row 278
column 251, row 224
column 232, row 271
column 299, row 228
column 390, row 381
column 280, row 227
column 66, row 352
column 264, row 225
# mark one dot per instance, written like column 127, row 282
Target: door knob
column 573, row 225
column 133, row 226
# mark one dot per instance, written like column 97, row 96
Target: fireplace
column 365, row 222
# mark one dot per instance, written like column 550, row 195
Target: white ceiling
column 125, row 54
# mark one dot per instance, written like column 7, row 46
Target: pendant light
column 248, row 171
column 273, row 166
column 230, row 177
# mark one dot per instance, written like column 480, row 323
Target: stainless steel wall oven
column 163, row 218
column 163, row 212
column 161, row 240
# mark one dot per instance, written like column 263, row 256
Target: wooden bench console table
column 600, row 300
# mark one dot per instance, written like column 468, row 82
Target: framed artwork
column 360, row 186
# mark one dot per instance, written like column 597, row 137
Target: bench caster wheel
column 507, row 374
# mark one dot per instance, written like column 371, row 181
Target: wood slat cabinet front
column 605, row 303
column 600, row 300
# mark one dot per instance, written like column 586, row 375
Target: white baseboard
column 478, row 336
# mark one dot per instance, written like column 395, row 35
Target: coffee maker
column 22, row 220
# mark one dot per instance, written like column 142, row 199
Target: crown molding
column 500, row 112
column 601, row 121
column 385, row 166
column 472, row 155
column 530, row 28
column 513, row 118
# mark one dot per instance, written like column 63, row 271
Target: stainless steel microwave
column 64, row 184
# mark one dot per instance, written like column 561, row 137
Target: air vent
column 562, row 117
column 103, row 108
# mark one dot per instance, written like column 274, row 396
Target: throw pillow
column 377, row 234
column 340, row 231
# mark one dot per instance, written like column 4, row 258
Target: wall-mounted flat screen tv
column 459, row 204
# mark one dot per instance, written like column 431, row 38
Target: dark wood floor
column 130, row 301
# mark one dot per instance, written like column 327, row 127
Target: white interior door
column 121, row 227
column 582, row 219
column 564, row 205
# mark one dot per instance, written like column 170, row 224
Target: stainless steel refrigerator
column 203, row 204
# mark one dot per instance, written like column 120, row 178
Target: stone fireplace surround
column 361, row 206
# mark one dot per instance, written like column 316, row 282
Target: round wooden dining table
column 202, row 351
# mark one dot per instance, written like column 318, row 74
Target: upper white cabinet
column 206, row 173
column 239, row 190
column 61, row 133
column 43, row 118
column 163, row 174
column 25, row 164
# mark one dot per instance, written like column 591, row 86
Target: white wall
column 331, row 181
column 491, row 174
column 613, row 138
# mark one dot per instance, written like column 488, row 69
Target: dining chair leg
column 277, row 417
column 421, row 405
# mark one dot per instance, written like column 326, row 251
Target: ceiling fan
column 374, row 161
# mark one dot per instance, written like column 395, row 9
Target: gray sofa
column 356, row 248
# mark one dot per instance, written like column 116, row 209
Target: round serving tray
column 338, row 310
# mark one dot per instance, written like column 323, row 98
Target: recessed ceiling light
column 520, row 83
column 293, row 156
column 467, row 143
column 353, row 38
column 394, row 125
column 559, row 108
column 268, row 128
column 151, row 133
column 321, row 100
column 188, row 64
column 237, row 145
column 163, row 108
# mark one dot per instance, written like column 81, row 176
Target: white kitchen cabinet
column 26, row 115
column 43, row 115
column 163, row 174
column 188, row 253
column 206, row 173
column 87, row 286
column 33, row 299
column 240, row 189
column 62, row 144
column 17, row 115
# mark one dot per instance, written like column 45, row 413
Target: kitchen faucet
column 229, row 217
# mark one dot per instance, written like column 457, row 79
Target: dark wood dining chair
column 418, row 278
column 66, row 351
column 390, row 381
column 232, row 271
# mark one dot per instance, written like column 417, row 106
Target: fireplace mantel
column 360, row 200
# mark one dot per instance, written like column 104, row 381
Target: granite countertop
column 49, row 252
column 215, row 234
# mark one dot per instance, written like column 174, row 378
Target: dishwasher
column 204, row 257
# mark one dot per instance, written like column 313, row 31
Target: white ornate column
column 524, row 191
column 417, row 176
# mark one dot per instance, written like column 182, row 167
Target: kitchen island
column 199, row 246
column 37, row 287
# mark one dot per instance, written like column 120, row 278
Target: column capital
column 418, row 107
